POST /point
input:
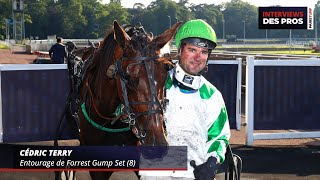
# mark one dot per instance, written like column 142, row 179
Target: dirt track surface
column 265, row 162
column 7, row 57
column 293, row 159
column 284, row 159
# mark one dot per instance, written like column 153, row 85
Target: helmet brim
column 200, row 42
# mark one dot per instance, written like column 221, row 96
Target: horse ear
column 120, row 35
column 166, row 36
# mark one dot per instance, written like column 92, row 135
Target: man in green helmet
column 196, row 114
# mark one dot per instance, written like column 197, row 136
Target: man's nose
column 197, row 56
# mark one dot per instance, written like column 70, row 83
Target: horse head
column 141, row 77
column 126, row 69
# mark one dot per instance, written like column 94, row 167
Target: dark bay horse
column 126, row 69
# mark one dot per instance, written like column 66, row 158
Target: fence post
column 250, row 99
column 238, row 103
column 1, row 120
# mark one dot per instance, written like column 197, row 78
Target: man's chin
column 194, row 72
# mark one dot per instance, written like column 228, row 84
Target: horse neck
column 105, row 89
column 110, row 98
column 103, row 93
column 107, row 100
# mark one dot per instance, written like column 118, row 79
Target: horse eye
column 134, row 69
column 133, row 82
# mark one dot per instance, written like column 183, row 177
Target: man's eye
column 192, row 50
column 205, row 52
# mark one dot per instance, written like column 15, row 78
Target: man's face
column 193, row 59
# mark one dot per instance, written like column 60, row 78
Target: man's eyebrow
column 190, row 47
column 193, row 48
column 204, row 50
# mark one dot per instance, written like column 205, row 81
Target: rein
column 95, row 107
column 128, row 116
column 83, row 108
column 116, row 71
column 153, row 97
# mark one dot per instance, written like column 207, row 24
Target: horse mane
column 103, row 58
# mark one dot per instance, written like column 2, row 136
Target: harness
column 154, row 101
column 124, row 112
column 76, row 71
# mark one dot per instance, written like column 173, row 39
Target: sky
column 285, row 3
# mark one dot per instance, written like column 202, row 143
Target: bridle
column 155, row 106
column 153, row 102
column 127, row 114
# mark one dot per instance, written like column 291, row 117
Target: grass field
column 3, row 46
column 269, row 49
column 279, row 49
column 296, row 52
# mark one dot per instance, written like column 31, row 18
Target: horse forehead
column 141, row 40
column 118, row 52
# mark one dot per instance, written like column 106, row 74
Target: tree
column 91, row 18
column 73, row 21
column 93, row 10
column 210, row 13
column 237, row 14
column 115, row 12
column 37, row 22
column 183, row 12
column 115, row 1
column 136, row 13
column 157, row 15
column 5, row 13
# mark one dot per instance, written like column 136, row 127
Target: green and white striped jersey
column 197, row 119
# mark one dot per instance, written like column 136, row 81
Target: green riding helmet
column 197, row 32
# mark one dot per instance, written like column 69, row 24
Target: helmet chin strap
column 204, row 70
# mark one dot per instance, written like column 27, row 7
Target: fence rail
column 282, row 94
column 30, row 109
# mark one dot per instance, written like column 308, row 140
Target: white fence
column 238, row 63
column 32, row 115
column 6, row 42
column 250, row 98
column 45, row 44
column 252, row 68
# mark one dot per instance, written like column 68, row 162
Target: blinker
column 111, row 71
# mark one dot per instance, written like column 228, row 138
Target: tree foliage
column 5, row 13
column 210, row 13
column 92, row 18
